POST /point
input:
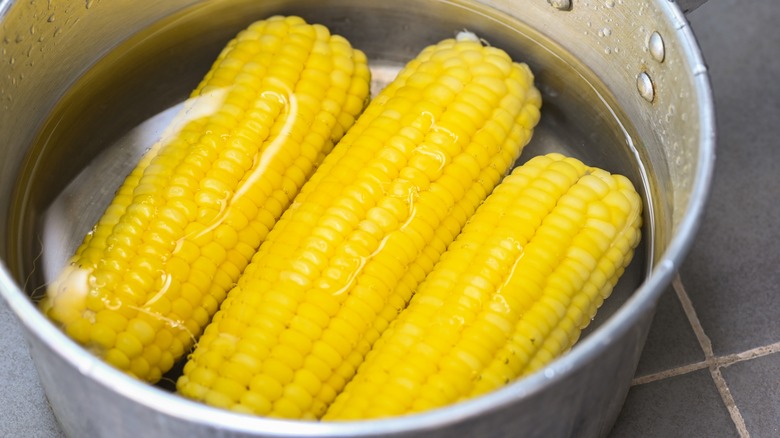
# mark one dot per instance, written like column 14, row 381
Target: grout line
column 728, row 399
column 753, row 353
column 720, row 362
column 709, row 358
column 685, row 369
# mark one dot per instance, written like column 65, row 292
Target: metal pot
column 624, row 87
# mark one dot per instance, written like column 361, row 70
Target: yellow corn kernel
column 187, row 220
column 370, row 223
column 512, row 293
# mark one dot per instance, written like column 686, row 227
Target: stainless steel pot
column 624, row 87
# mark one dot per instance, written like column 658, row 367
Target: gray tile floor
column 711, row 364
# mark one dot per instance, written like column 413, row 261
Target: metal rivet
column 645, row 86
column 656, row 46
column 561, row 5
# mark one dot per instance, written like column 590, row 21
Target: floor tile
column 755, row 386
column 684, row 406
column 671, row 342
column 731, row 272
column 26, row 413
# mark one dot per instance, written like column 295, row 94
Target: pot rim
column 588, row 349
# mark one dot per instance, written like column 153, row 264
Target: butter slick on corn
column 185, row 223
column 366, row 229
column 512, row 293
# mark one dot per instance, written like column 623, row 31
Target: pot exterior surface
column 642, row 49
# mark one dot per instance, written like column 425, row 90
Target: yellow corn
column 364, row 232
column 188, row 219
column 510, row 294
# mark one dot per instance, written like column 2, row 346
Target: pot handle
column 689, row 5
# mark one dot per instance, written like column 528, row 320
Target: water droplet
column 607, row 50
column 605, row 32
column 51, row 18
column 609, row 4
column 89, row 3
column 32, row 30
column 12, row 61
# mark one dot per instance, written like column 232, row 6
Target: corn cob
column 189, row 217
column 510, row 294
column 364, row 232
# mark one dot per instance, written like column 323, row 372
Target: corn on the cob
column 365, row 230
column 510, row 294
column 188, row 219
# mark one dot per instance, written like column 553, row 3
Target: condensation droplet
column 609, row 3
column 605, row 32
column 51, row 18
